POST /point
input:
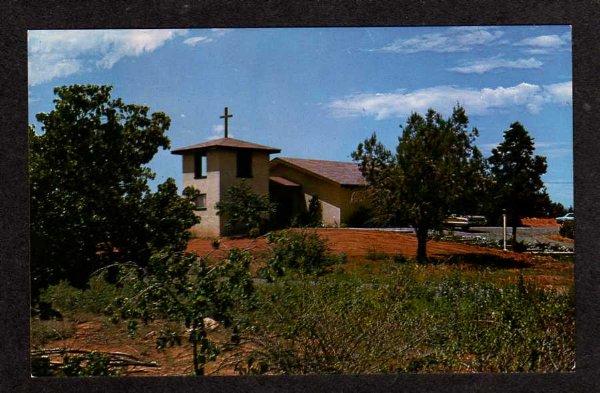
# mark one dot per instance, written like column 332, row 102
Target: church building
column 215, row 165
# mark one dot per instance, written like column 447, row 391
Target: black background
column 16, row 17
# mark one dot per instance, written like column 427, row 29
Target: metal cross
column 226, row 116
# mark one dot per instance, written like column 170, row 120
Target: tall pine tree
column 517, row 175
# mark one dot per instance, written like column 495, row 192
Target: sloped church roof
column 343, row 173
column 227, row 143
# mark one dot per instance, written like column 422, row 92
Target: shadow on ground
column 482, row 260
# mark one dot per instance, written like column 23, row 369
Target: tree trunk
column 194, row 341
column 421, row 244
column 196, row 331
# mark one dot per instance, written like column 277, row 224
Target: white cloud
column 58, row 53
column 544, row 44
column 443, row 98
column 220, row 32
column 561, row 93
column 205, row 39
column 456, row 39
column 218, row 131
column 193, row 41
column 485, row 65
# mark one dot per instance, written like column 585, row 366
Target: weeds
column 43, row 332
column 409, row 322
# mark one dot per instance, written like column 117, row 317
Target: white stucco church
column 215, row 165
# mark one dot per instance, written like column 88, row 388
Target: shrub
column 314, row 214
column 302, row 250
column 68, row 299
column 567, row 229
column 183, row 288
column 245, row 211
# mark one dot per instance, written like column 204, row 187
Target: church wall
column 209, row 221
column 336, row 200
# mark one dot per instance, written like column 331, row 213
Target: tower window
column 200, row 202
column 200, row 164
column 244, row 164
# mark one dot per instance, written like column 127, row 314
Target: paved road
column 527, row 234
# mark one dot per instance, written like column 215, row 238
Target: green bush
column 68, row 300
column 408, row 321
column 245, row 212
column 301, row 250
column 567, row 229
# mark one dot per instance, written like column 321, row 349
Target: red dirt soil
column 540, row 222
column 357, row 243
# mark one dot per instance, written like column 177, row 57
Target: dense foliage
column 435, row 170
column 245, row 211
column 91, row 205
column 407, row 321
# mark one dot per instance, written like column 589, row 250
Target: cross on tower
column 226, row 116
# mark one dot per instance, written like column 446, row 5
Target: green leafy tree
column 477, row 198
column 427, row 178
column 517, row 175
column 245, row 211
column 184, row 288
column 91, row 205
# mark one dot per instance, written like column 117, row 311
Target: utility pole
column 504, row 229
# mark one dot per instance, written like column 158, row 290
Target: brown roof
column 228, row 143
column 283, row 181
column 343, row 173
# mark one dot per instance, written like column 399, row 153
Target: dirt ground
column 356, row 244
column 95, row 333
column 540, row 222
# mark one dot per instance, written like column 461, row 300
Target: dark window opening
column 200, row 202
column 200, row 164
column 244, row 164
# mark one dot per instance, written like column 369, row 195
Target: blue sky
column 318, row 92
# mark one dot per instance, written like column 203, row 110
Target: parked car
column 565, row 218
column 464, row 221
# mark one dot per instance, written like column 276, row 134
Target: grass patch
column 409, row 321
column 43, row 332
column 375, row 255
